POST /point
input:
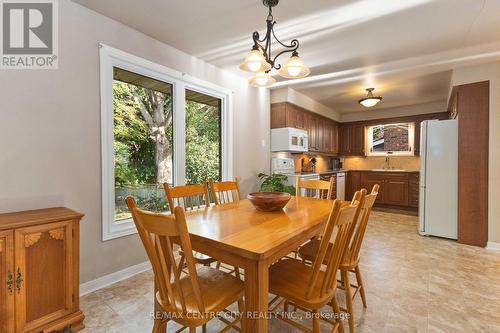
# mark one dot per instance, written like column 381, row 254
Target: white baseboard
column 109, row 279
column 493, row 246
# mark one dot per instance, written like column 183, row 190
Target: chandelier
column 261, row 61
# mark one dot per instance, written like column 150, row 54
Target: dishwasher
column 340, row 185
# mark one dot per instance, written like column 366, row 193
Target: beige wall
column 401, row 111
column 478, row 73
column 50, row 130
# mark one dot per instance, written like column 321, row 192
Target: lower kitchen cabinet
column 353, row 184
column 39, row 263
column 396, row 188
column 413, row 188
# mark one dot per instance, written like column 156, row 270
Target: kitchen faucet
column 387, row 163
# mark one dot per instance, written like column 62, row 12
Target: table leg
column 256, row 297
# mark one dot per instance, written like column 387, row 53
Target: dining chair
column 225, row 192
column 350, row 262
column 312, row 188
column 189, row 197
column 315, row 187
column 196, row 298
column 309, row 288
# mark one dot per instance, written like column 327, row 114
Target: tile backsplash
column 411, row 163
column 397, row 162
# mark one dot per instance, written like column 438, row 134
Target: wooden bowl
column 269, row 201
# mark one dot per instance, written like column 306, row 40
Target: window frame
column 111, row 57
column 411, row 141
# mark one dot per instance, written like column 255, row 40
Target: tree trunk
column 154, row 115
column 163, row 157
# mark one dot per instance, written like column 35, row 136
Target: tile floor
column 414, row 284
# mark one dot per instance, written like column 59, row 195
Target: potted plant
column 275, row 183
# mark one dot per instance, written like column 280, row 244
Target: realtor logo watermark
column 29, row 34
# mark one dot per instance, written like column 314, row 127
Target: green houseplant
column 275, row 183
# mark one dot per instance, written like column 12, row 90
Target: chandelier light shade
column 262, row 79
column 261, row 60
column 255, row 62
column 370, row 100
column 294, row 68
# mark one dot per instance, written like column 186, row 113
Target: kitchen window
column 157, row 126
column 391, row 139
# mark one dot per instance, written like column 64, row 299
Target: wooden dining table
column 240, row 235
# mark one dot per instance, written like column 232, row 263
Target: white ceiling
column 406, row 49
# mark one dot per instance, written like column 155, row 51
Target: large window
column 203, row 137
column 392, row 139
column 158, row 126
column 143, row 140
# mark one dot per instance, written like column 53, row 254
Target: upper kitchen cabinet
column 322, row 132
column 288, row 115
column 352, row 139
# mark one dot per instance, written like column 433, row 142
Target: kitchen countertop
column 324, row 172
column 386, row 170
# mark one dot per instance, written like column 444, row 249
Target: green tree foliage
column 134, row 150
column 202, row 142
column 136, row 167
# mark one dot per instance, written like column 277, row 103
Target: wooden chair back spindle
column 157, row 232
column 315, row 187
column 341, row 218
column 225, row 192
column 188, row 197
column 355, row 246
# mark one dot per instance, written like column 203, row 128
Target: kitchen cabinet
column 39, row 266
column 345, row 140
column 330, row 137
column 358, row 140
column 334, row 138
column 288, row 115
column 413, row 188
column 295, row 117
column 353, row 184
column 396, row 188
column 369, row 179
column 471, row 102
column 322, row 132
column 352, row 140
column 313, row 131
column 416, row 142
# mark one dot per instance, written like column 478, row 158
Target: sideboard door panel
column 6, row 282
column 43, row 273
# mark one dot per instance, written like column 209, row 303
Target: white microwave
column 289, row 139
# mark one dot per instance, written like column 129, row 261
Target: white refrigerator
column 438, row 178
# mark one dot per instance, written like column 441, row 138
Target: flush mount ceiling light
column 260, row 60
column 370, row 100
